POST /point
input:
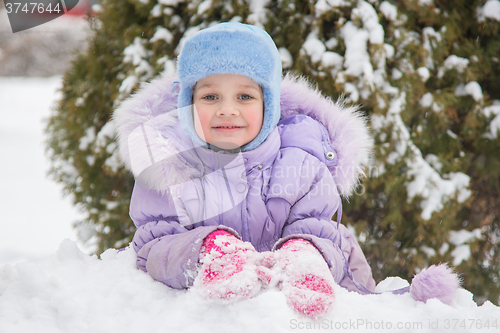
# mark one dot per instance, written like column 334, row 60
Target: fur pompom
column 435, row 282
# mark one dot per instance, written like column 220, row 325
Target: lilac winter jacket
column 288, row 187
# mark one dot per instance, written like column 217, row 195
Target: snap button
column 259, row 166
column 241, row 187
column 330, row 155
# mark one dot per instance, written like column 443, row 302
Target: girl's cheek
column 200, row 123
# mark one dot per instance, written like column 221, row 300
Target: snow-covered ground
column 72, row 292
column 35, row 218
column 47, row 284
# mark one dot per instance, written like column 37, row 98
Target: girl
column 238, row 174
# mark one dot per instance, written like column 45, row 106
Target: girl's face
column 228, row 110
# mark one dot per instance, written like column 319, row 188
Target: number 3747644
column 468, row 324
column 33, row 7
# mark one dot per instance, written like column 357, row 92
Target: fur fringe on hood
column 142, row 117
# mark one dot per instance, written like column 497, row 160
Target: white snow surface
column 35, row 217
column 72, row 292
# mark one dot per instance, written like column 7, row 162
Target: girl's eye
column 245, row 97
column 210, row 97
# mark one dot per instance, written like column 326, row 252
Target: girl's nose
column 228, row 108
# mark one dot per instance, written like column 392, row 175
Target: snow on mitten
column 306, row 279
column 435, row 282
column 228, row 269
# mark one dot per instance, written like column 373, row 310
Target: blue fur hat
column 231, row 48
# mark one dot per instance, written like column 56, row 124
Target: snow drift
column 73, row 292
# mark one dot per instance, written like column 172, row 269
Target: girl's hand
column 229, row 268
column 305, row 278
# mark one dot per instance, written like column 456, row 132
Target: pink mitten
column 228, row 268
column 307, row 281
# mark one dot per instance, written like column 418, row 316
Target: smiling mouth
column 228, row 127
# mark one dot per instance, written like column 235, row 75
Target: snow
column 389, row 10
column 424, row 73
column 431, row 37
column 460, row 239
column 434, row 161
column 35, row 218
column 434, row 190
column 332, row 59
column 426, row 100
column 162, row 34
column 314, row 48
column 172, row 3
column 460, row 253
column 156, row 11
column 87, row 139
column 472, row 88
column 494, row 127
column 136, row 54
column 321, row 6
column 357, row 59
column 389, row 51
column 332, row 43
column 258, row 13
column 286, row 58
column 429, row 251
column 425, row 2
column 204, row 6
column 396, row 74
column 452, row 135
column 128, row 84
column 369, row 16
column 490, row 10
column 391, row 283
column 426, row 182
column 73, row 292
column 453, row 62
column 463, row 236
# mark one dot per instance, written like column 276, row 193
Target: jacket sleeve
column 310, row 219
column 165, row 249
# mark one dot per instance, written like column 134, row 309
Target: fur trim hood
column 142, row 118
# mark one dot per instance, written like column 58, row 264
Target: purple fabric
column 285, row 188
